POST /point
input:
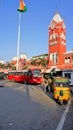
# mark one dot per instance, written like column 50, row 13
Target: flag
column 22, row 7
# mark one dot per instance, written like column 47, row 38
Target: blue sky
column 34, row 26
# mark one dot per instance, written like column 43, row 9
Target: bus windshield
column 37, row 73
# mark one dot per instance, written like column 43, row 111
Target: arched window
column 65, row 60
column 53, row 58
column 68, row 60
column 56, row 57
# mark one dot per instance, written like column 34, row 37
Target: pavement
column 68, row 125
column 27, row 107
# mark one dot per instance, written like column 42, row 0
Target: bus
column 17, row 75
column 30, row 76
column 34, row 76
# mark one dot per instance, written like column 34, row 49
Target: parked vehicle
column 2, row 75
column 17, row 75
column 26, row 76
column 34, row 76
column 61, row 89
column 69, row 74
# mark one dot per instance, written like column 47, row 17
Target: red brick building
column 57, row 55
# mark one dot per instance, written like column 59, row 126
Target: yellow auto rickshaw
column 61, row 89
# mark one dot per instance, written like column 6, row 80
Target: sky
column 33, row 28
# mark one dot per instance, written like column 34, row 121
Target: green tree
column 1, row 65
column 44, row 62
column 33, row 62
column 25, row 67
column 13, row 67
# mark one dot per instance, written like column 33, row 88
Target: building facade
column 58, row 56
column 21, row 61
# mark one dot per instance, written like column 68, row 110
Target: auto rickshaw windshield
column 62, row 84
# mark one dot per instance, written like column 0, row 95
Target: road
column 28, row 107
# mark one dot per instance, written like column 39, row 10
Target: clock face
column 53, row 25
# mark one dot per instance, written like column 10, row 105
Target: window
column 53, row 58
column 65, row 60
column 56, row 58
column 37, row 72
column 67, row 75
column 68, row 60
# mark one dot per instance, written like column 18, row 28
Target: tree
column 44, row 62
column 13, row 67
column 1, row 65
column 33, row 62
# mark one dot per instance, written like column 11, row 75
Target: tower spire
column 57, row 18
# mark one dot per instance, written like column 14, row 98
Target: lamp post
column 18, row 45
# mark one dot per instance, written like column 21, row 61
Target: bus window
column 35, row 76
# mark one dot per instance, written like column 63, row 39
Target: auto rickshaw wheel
column 66, row 101
column 48, row 88
column 61, row 102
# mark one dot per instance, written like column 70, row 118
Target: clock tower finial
column 57, row 18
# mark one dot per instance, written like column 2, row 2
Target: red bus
column 17, row 76
column 31, row 76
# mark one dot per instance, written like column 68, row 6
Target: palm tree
column 1, row 65
column 33, row 62
column 44, row 62
column 25, row 67
column 13, row 67
column 8, row 65
column 40, row 61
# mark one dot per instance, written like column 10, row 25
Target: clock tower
column 56, row 42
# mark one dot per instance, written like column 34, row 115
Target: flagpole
column 18, row 45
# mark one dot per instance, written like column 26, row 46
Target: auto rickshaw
column 61, row 89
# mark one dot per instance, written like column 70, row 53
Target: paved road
column 28, row 107
column 68, row 125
